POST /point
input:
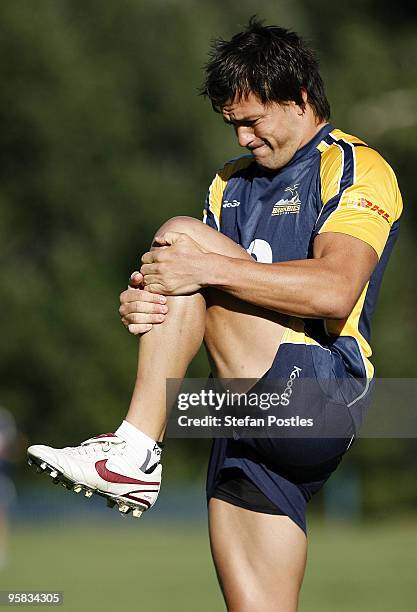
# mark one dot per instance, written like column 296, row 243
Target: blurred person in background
column 280, row 281
column 7, row 488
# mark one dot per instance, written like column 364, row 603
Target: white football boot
column 106, row 465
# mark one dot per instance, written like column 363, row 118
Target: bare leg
column 260, row 558
column 229, row 326
column 3, row 538
column 165, row 352
column 261, row 567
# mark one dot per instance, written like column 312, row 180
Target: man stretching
column 283, row 273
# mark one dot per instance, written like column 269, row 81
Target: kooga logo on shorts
column 285, row 396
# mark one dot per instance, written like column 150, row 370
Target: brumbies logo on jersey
column 291, row 206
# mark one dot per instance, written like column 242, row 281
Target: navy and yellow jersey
column 335, row 183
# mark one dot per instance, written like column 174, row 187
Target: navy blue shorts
column 288, row 471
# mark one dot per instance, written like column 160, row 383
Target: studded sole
column 125, row 507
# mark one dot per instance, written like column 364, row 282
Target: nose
column 244, row 135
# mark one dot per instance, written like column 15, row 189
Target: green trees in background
column 104, row 137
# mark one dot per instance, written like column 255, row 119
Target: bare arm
column 327, row 286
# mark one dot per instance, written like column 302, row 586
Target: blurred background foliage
column 103, row 136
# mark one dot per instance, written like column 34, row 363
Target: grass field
column 108, row 566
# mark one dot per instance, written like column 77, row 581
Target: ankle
column 149, row 450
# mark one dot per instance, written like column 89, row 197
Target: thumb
column 135, row 280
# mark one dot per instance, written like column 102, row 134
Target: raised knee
column 181, row 224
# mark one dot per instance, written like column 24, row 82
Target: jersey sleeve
column 360, row 195
column 214, row 200
column 213, row 205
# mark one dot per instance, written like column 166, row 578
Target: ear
column 304, row 95
column 301, row 109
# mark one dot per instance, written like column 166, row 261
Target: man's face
column 272, row 133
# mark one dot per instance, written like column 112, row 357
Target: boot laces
column 94, row 446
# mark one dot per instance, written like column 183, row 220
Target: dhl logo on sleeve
column 361, row 202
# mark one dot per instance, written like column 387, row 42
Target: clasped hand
column 176, row 266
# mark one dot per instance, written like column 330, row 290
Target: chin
column 269, row 165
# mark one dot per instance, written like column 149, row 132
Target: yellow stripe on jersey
column 339, row 135
column 350, row 327
column 331, row 169
column 218, row 184
column 370, row 205
column 365, row 209
column 295, row 333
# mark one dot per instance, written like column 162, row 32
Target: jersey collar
column 310, row 146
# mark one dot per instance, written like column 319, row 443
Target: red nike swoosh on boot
column 110, row 476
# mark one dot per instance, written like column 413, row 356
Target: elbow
column 341, row 311
column 335, row 304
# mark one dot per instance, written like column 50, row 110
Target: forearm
column 304, row 288
column 326, row 286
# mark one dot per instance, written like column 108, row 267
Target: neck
column 312, row 125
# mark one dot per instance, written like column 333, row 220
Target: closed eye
column 243, row 123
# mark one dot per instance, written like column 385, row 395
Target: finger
column 151, row 268
column 155, row 256
column 139, row 318
column 160, row 241
column 151, row 279
column 148, row 257
column 144, row 307
column 156, row 288
column 141, row 295
column 139, row 329
column 143, row 318
column 168, row 238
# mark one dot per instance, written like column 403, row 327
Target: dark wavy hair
column 271, row 62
